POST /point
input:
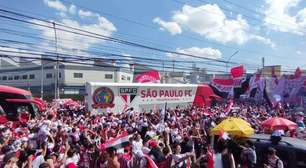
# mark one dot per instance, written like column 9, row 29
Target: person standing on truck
column 273, row 160
column 248, row 155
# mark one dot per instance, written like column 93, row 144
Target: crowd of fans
column 68, row 136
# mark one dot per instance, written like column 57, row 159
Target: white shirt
column 218, row 160
column 38, row 161
column 137, row 146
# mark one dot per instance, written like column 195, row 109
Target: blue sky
column 274, row 29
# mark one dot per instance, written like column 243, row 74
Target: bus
column 15, row 102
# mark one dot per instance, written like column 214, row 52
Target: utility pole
column 56, row 83
column 263, row 62
column 173, row 66
column 163, row 77
column 42, row 80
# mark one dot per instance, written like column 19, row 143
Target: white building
column 72, row 76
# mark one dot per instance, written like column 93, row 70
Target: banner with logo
column 120, row 97
column 148, row 77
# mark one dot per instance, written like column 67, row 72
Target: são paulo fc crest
column 103, row 97
column 127, row 95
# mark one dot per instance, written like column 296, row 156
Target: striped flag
column 119, row 142
column 224, row 135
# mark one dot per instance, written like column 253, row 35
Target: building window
column 108, row 76
column 24, row 76
column 128, row 78
column 59, row 75
column 10, row 78
column 4, row 77
column 16, row 77
column 32, row 76
column 123, row 77
column 77, row 75
column 49, row 75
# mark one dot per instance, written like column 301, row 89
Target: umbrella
column 234, row 126
column 278, row 123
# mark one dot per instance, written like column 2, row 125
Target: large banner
column 122, row 97
column 233, row 87
column 286, row 88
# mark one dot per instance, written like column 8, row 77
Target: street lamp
column 236, row 52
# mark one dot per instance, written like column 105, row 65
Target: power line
column 106, row 38
column 23, row 34
column 103, row 37
column 85, row 58
column 119, row 41
column 94, row 64
column 190, row 37
column 80, row 61
column 152, row 27
column 257, row 12
column 151, row 60
column 82, row 57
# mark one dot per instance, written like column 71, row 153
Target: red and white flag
column 224, row 135
column 229, row 106
column 148, row 77
column 120, row 141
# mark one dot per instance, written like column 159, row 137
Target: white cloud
column 298, row 52
column 72, row 9
column 172, row 27
column 99, row 25
column 279, row 16
column 69, row 40
column 211, row 22
column 56, row 4
column 83, row 13
column 266, row 41
column 201, row 52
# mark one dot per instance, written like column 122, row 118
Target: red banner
column 228, row 82
column 148, row 77
column 237, row 72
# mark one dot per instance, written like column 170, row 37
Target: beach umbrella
column 235, row 127
column 276, row 123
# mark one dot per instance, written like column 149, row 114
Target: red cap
column 71, row 165
column 153, row 143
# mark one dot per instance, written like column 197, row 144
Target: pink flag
column 148, row 77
